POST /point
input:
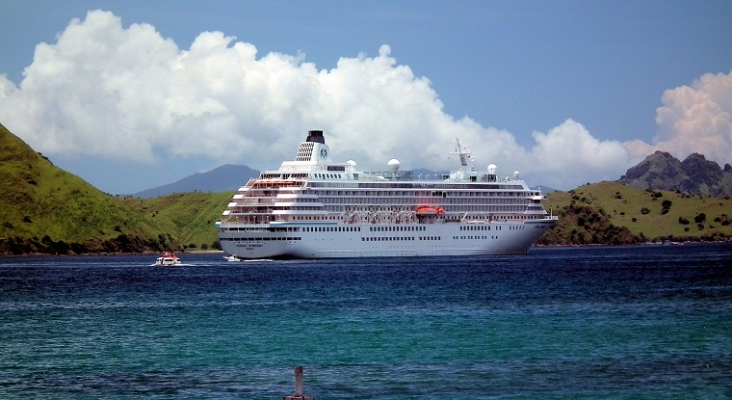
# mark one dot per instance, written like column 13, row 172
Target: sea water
column 644, row 322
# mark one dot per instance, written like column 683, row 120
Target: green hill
column 648, row 214
column 45, row 209
column 188, row 217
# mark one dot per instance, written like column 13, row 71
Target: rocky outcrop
column 694, row 176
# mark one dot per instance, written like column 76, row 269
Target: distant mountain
column 545, row 189
column 695, row 175
column 226, row 178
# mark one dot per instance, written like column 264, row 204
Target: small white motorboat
column 168, row 259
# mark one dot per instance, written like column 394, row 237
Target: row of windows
column 416, row 194
column 263, row 229
column 420, row 185
column 409, row 200
column 337, row 208
column 327, row 176
column 475, row 228
column 261, row 239
column 383, row 185
column 332, row 229
column 397, row 228
column 363, row 239
column 460, row 209
column 386, row 238
column 415, row 185
column 398, row 238
column 283, row 176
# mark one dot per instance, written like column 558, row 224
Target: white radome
column 394, row 165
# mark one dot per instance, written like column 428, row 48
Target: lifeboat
column 427, row 210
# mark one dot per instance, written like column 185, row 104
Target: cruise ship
column 314, row 207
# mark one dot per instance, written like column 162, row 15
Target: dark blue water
column 651, row 322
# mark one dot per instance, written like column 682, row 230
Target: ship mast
column 464, row 155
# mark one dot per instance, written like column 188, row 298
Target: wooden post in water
column 298, row 387
column 298, row 381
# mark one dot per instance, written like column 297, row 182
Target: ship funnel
column 315, row 137
column 313, row 148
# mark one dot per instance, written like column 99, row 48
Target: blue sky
column 568, row 92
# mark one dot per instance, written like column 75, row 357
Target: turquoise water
column 590, row 323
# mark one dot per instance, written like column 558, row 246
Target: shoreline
column 199, row 252
column 109, row 254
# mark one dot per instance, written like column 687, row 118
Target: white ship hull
column 315, row 208
column 436, row 240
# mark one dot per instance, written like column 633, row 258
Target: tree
column 665, row 206
column 701, row 217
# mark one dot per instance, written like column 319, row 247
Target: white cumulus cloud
column 107, row 91
column 572, row 155
column 694, row 119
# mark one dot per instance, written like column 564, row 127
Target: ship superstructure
column 313, row 207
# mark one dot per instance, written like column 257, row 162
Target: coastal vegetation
column 615, row 213
column 188, row 217
column 44, row 209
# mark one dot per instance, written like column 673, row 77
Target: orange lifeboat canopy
column 430, row 210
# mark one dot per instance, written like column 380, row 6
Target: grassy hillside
column 44, row 206
column 654, row 215
column 44, row 209
column 188, row 217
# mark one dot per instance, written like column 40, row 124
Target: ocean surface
column 645, row 322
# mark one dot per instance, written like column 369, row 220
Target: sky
column 137, row 94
